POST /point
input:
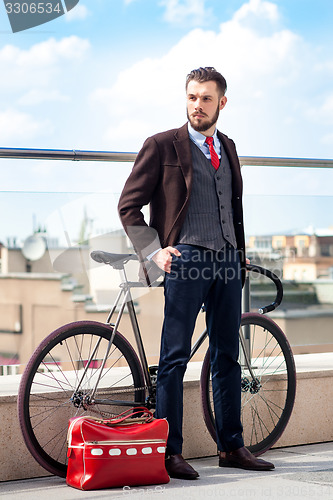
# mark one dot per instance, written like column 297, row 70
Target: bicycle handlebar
column 277, row 282
column 118, row 260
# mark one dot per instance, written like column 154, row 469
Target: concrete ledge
column 311, row 421
column 16, row 461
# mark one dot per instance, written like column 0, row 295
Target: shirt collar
column 199, row 138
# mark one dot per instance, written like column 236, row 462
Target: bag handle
column 145, row 416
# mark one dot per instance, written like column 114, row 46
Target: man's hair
column 208, row 74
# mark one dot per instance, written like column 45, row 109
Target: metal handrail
column 65, row 154
column 262, row 161
column 82, row 155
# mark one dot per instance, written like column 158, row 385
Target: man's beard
column 204, row 125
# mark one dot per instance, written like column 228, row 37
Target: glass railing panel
column 73, row 206
column 69, row 205
column 289, row 229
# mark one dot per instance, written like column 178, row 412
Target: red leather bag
column 124, row 451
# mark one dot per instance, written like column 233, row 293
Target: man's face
column 204, row 105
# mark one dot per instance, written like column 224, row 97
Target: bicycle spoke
column 268, row 384
column 52, row 373
column 49, row 414
column 262, row 424
column 59, row 435
column 112, row 366
column 273, row 403
column 59, row 379
column 44, row 405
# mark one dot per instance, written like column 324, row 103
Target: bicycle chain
column 92, row 409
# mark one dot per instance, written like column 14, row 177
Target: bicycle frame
column 125, row 298
column 127, row 301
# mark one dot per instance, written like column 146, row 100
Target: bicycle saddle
column 116, row 260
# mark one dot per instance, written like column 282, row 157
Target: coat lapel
column 183, row 149
column 230, row 152
column 233, row 158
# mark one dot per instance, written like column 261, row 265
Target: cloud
column 263, row 71
column 15, row 125
column 39, row 96
column 135, row 112
column 278, row 86
column 327, row 139
column 45, row 53
column 272, row 101
column 323, row 111
column 39, row 64
column 79, row 13
column 181, row 11
column 34, row 76
column 257, row 9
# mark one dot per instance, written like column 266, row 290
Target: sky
column 111, row 72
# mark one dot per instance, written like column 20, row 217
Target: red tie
column 213, row 155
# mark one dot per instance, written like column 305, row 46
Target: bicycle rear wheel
column 268, row 397
column 58, row 381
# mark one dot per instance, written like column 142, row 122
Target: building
column 63, row 286
column 302, row 256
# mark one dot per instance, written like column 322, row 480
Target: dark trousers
column 202, row 276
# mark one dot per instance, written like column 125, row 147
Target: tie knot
column 209, row 140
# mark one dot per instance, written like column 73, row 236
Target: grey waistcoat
column 209, row 220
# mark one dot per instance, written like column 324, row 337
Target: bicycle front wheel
column 58, row 382
column 268, row 383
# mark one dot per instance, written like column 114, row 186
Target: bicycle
column 89, row 367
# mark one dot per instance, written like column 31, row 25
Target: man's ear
column 223, row 102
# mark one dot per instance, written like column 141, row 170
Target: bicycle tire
column 48, row 397
column 266, row 411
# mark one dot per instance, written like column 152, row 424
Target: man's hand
column 163, row 258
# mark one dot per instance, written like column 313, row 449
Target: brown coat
column 162, row 177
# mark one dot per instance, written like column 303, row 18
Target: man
column 194, row 188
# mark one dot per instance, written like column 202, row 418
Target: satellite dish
column 34, row 247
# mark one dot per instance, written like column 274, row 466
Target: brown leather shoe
column 243, row 459
column 178, row 468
